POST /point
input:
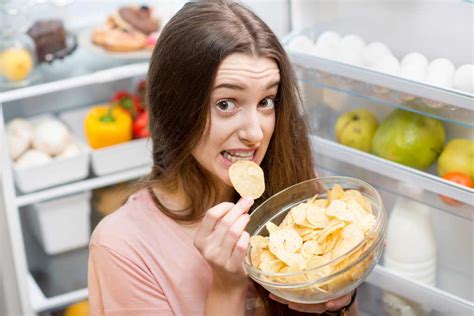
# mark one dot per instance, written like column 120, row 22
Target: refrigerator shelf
column 97, row 77
column 435, row 298
column 398, row 172
column 40, row 303
column 438, row 102
column 455, row 97
column 80, row 186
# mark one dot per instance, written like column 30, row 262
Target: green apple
column 356, row 129
column 409, row 138
column 458, row 155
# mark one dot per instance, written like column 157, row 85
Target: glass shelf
column 446, row 104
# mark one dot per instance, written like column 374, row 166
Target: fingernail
column 248, row 201
column 329, row 305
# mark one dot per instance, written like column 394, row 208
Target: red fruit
column 129, row 102
column 459, row 178
column 140, row 126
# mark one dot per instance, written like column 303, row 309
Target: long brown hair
column 181, row 76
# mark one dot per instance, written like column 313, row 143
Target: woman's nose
column 251, row 129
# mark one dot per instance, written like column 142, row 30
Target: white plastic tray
column 61, row 224
column 132, row 154
column 58, row 171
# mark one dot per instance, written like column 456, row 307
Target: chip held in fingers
column 247, row 178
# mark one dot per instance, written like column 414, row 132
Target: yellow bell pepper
column 107, row 125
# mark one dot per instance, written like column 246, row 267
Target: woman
column 220, row 89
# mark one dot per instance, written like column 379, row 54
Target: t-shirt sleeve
column 118, row 286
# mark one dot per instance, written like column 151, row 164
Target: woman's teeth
column 236, row 156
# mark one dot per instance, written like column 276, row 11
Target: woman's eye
column 226, row 105
column 267, row 103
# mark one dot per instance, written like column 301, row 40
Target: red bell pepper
column 140, row 125
column 129, row 102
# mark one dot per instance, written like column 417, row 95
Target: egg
column 464, row 78
column 441, row 73
column 301, row 43
column 438, row 77
column 33, row 158
column 353, row 57
column 414, row 59
column 373, row 52
column 413, row 71
column 352, row 42
column 51, row 136
column 329, row 38
column 324, row 51
column 388, row 64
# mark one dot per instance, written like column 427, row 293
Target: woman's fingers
column 233, row 235
column 240, row 250
column 339, row 302
column 210, row 220
column 315, row 308
column 223, row 226
column 310, row 308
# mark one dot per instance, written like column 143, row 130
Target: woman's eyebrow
column 239, row 87
column 273, row 84
column 229, row 86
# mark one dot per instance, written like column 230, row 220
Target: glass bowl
column 341, row 274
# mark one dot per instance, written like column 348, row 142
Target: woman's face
column 242, row 114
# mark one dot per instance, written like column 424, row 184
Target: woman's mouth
column 234, row 156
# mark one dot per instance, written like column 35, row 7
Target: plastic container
column 341, row 282
column 115, row 158
column 61, row 224
column 59, row 170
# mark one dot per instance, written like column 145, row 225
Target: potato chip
column 317, row 216
column 247, row 178
column 320, row 203
column 338, row 209
column 299, row 213
column 336, row 193
column 271, row 227
column 311, row 247
column 285, row 239
column 330, row 229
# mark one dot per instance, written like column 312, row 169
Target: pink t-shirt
column 141, row 262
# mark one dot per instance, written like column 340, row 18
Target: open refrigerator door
column 362, row 66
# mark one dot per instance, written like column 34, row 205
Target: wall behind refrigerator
column 441, row 28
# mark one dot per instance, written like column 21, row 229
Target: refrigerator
column 427, row 267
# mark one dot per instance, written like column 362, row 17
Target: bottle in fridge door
column 411, row 249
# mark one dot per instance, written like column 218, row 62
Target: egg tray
column 393, row 90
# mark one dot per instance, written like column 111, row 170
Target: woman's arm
column 222, row 241
column 118, row 286
column 231, row 300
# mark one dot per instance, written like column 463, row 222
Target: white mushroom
column 32, row 158
column 51, row 137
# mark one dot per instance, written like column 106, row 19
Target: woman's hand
column 222, row 241
column 332, row 305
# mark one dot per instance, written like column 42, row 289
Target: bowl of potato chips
column 316, row 240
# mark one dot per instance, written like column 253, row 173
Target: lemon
column 15, row 63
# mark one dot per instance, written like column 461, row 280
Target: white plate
column 85, row 41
